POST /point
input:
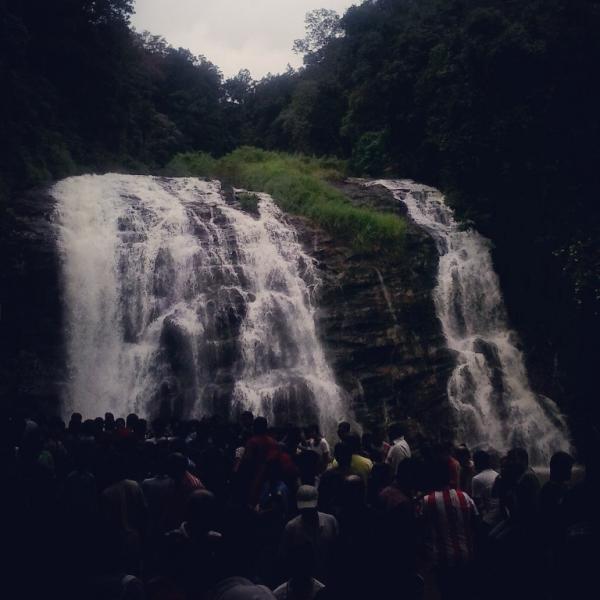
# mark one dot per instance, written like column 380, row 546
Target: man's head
column 247, row 419
column 260, row 426
column 176, row 466
column 520, row 457
column 561, row 466
column 481, row 460
column 440, row 474
column 396, row 431
column 307, row 498
column 406, row 474
column 343, row 430
column 343, row 455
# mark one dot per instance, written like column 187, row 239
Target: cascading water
column 488, row 389
column 178, row 301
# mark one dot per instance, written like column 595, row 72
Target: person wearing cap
column 319, row 529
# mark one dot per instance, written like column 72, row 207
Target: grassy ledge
column 298, row 184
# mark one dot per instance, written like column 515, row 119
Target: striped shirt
column 449, row 517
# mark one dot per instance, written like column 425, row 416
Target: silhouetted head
column 396, row 431
column 406, row 475
column 519, row 456
column 120, row 423
column 561, row 466
column 75, row 423
column 176, row 466
column 99, row 424
column 482, row 460
column 343, row 454
column 381, row 476
column 247, row 419
column 377, row 435
column 343, row 430
column 293, row 437
column 260, row 426
column 463, row 455
column 132, row 420
column 312, row 431
column 439, row 474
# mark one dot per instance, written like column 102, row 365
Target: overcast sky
column 234, row 34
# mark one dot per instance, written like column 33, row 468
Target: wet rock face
column 31, row 341
column 378, row 322
column 375, row 317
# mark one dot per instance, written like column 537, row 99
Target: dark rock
column 378, row 323
column 31, row 318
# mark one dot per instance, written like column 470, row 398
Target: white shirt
column 321, row 447
column 398, row 452
column 482, row 485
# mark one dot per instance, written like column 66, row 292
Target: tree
column 322, row 25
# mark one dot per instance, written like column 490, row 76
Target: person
column 398, row 526
column 319, row 529
column 399, row 450
column 527, row 488
column 467, row 468
column 176, row 490
column 318, row 444
column 359, row 465
column 343, row 430
column 376, row 447
column 482, row 486
column 554, row 490
column 331, row 482
column 125, row 516
column 449, row 519
column 301, row 585
column 196, row 541
column 158, row 491
column 260, row 449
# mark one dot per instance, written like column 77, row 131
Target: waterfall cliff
column 488, row 388
column 179, row 301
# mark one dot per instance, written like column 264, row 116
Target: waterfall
column 489, row 389
column 178, row 301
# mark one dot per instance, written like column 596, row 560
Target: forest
column 493, row 101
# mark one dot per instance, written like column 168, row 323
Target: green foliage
column 299, row 185
column 191, row 164
column 369, row 156
column 248, row 201
column 322, row 25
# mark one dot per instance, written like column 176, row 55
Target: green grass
column 299, row 185
column 249, row 202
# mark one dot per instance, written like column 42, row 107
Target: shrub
column 300, row 185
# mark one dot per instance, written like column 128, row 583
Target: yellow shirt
column 359, row 465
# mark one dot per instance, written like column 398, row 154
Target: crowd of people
column 115, row 508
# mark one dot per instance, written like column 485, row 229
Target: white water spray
column 176, row 298
column 488, row 389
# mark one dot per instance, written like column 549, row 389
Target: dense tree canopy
column 496, row 102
